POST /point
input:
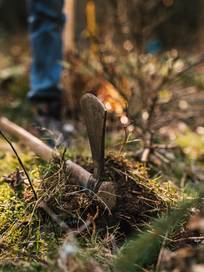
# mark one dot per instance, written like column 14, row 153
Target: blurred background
column 173, row 22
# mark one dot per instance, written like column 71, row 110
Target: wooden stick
column 35, row 144
column 44, row 151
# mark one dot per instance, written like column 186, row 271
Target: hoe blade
column 94, row 113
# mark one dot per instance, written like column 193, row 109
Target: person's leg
column 46, row 21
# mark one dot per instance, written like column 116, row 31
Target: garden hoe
column 95, row 118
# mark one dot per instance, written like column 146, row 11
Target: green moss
column 24, row 236
column 192, row 143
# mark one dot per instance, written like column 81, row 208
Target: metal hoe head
column 94, row 113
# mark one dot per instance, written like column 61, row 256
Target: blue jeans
column 46, row 21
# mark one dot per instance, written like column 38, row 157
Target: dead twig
column 20, row 162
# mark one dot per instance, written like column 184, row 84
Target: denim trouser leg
column 46, row 21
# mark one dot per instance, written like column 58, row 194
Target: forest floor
column 157, row 224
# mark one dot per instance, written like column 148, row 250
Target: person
column 45, row 22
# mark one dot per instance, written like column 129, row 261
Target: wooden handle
column 35, row 144
column 44, row 151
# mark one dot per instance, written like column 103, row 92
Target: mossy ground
column 30, row 239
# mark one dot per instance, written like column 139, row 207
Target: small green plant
column 143, row 250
